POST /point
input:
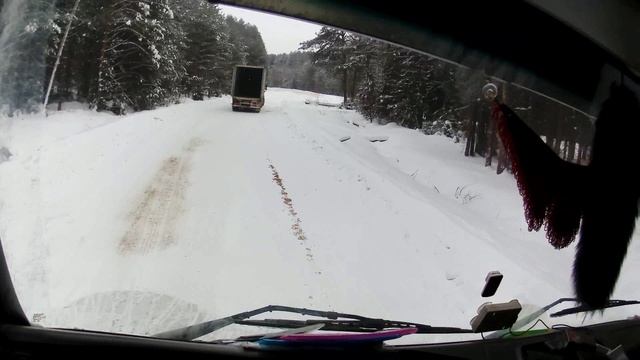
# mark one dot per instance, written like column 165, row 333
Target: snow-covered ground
column 158, row 219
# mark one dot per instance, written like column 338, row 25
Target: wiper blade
column 356, row 323
column 584, row 308
column 368, row 325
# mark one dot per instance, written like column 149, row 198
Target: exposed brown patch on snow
column 153, row 221
column 296, row 228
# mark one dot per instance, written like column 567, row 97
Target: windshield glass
column 344, row 173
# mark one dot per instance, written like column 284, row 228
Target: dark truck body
column 247, row 90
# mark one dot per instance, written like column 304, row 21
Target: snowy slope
column 161, row 218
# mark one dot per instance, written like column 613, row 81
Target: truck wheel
column 235, row 108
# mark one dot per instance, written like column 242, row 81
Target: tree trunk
column 586, row 154
column 55, row 66
column 491, row 142
column 558, row 136
column 502, row 159
column 65, row 84
column 571, row 150
column 354, row 83
column 548, row 124
column 481, row 129
column 88, row 73
column 469, row 149
column 345, row 82
column 102, row 59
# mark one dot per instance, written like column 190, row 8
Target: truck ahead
column 247, row 89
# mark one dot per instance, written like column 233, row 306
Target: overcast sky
column 280, row 34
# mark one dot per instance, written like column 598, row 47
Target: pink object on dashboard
column 376, row 335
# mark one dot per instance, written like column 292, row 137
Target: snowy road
column 203, row 212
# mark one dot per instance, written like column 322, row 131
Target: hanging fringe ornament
column 605, row 194
column 548, row 185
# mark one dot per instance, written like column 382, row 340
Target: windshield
column 137, row 195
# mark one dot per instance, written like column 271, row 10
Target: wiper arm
column 583, row 308
column 356, row 323
column 536, row 314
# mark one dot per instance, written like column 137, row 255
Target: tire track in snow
column 153, row 221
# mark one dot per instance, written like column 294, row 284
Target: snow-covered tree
column 206, row 49
column 333, row 49
column 296, row 70
column 25, row 27
column 139, row 57
column 247, row 45
column 120, row 54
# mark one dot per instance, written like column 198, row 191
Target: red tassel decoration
column 548, row 185
column 603, row 196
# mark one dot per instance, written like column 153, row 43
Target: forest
column 132, row 55
column 388, row 83
column 122, row 55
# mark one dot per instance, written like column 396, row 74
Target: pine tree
column 332, row 49
column 58, row 58
column 247, row 45
column 256, row 52
column 137, row 62
column 284, row 68
column 206, row 49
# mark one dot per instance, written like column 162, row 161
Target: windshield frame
column 10, row 309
